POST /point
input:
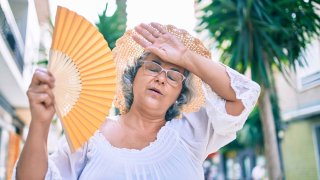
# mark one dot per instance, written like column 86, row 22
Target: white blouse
column 178, row 152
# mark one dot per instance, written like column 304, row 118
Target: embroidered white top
column 178, row 152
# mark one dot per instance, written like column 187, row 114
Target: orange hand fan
column 83, row 66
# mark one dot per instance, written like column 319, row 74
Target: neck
column 138, row 119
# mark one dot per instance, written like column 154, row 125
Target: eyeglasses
column 174, row 78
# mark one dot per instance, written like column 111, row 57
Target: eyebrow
column 158, row 61
column 175, row 69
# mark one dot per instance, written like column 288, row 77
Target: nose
column 161, row 78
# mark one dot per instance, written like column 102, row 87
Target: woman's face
column 156, row 91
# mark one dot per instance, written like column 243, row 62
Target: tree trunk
column 270, row 138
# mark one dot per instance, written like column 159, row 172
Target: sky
column 176, row 12
column 179, row 13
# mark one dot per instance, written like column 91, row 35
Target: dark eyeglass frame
column 154, row 74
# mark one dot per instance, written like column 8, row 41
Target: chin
column 154, row 105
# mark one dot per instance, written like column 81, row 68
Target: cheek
column 135, row 87
column 175, row 92
column 139, row 82
column 138, row 79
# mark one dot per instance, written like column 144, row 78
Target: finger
column 43, row 88
column 142, row 42
column 42, row 77
column 41, row 98
column 151, row 30
column 45, row 71
column 160, row 52
column 144, row 33
column 159, row 27
column 41, row 69
column 48, row 101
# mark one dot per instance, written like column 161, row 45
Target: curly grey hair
column 174, row 110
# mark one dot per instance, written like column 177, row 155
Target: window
column 309, row 76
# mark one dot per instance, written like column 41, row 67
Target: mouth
column 155, row 90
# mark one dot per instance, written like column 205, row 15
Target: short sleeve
column 209, row 129
column 63, row 164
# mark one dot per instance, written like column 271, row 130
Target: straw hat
column 127, row 51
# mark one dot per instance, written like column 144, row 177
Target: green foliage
column 261, row 33
column 257, row 35
column 249, row 136
column 42, row 63
column 113, row 27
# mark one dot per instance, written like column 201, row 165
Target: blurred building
column 299, row 101
column 24, row 40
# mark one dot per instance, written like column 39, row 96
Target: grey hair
column 185, row 96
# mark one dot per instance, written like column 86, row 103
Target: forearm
column 33, row 162
column 212, row 73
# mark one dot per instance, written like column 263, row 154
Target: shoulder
column 109, row 122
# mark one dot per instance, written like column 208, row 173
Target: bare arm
column 33, row 162
column 215, row 75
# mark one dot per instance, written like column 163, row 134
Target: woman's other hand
column 41, row 98
column 162, row 43
column 33, row 161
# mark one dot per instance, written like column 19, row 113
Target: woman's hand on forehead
column 160, row 42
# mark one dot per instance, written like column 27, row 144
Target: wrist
column 186, row 59
column 40, row 128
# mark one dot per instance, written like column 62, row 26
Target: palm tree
column 258, row 35
column 113, row 27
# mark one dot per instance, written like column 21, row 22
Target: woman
column 151, row 139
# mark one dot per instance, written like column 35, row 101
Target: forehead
column 164, row 64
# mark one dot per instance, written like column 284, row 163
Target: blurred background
column 274, row 42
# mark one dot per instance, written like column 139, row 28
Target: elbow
column 234, row 108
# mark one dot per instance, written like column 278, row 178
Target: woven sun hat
column 127, row 51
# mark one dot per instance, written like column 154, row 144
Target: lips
column 156, row 90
